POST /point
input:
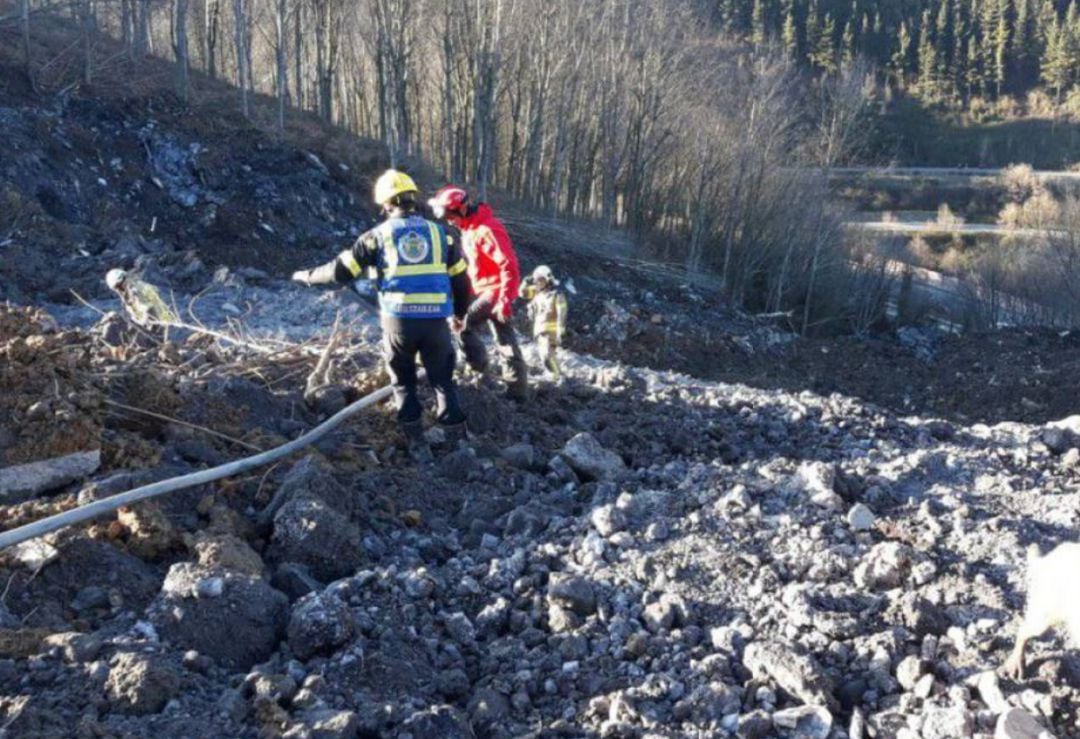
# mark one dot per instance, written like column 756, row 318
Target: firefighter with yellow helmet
column 420, row 274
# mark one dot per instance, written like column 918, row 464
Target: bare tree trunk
column 298, row 55
column 281, row 83
column 86, row 24
column 24, row 23
column 180, row 46
column 448, row 56
column 814, row 265
column 211, row 28
column 487, row 83
column 142, row 28
column 327, row 39
column 240, row 21
column 127, row 26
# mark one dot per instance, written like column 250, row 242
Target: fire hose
column 236, row 467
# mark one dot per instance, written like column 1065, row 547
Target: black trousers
column 472, row 341
column 403, row 339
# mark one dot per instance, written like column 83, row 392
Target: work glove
column 302, row 276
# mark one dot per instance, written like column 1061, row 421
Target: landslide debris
column 633, row 553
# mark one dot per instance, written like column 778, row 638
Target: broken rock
column 445, row 722
column 325, row 723
column 811, row 722
column 319, row 624
column 795, row 673
column 587, row 457
column 1019, row 724
column 239, row 627
column 574, row 593
column 140, row 684
column 25, row 481
column 308, row 531
column 884, row 567
column 227, row 552
column 816, row 481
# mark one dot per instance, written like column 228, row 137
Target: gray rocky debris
column 308, row 531
column 587, row 457
column 241, row 625
column 140, row 684
column 319, row 624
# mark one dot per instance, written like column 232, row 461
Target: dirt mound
column 50, row 402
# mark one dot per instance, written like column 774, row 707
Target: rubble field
column 634, row 553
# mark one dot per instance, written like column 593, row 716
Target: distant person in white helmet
column 547, row 310
column 141, row 300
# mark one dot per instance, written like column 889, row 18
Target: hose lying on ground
column 107, row 505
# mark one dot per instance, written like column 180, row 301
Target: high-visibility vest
column 547, row 309
column 413, row 277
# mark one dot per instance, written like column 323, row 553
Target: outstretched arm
column 346, row 267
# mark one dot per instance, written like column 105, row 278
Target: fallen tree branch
column 319, row 375
column 108, row 505
column 195, row 426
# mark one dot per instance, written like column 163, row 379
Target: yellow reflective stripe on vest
column 456, row 269
column 436, row 244
column 349, row 260
column 419, row 269
column 416, row 298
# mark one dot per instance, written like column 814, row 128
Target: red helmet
column 450, row 198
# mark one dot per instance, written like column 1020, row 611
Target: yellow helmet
column 392, row 183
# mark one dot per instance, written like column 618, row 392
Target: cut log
column 25, row 481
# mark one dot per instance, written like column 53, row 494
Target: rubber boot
column 517, row 379
column 419, row 449
column 455, row 434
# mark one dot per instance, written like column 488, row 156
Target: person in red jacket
column 495, row 278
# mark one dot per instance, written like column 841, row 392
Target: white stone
column 860, row 517
column 812, row 722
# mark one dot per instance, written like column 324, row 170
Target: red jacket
column 493, row 265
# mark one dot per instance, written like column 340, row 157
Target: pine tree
column 813, row 31
column 987, row 50
column 973, row 74
column 1023, row 42
column 759, row 30
column 1055, row 70
column 1001, row 45
column 848, row 44
column 881, row 48
column 1047, row 17
column 961, row 31
column 790, row 33
column 899, row 61
column 929, row 82
column 943, row 35
column 822, row 49
column 1071, row 42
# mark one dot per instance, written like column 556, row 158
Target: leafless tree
column 180, row 46
column 24, row 23
column 242, row 36
column 632, row 112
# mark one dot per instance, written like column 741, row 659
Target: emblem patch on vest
column 413, row 248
